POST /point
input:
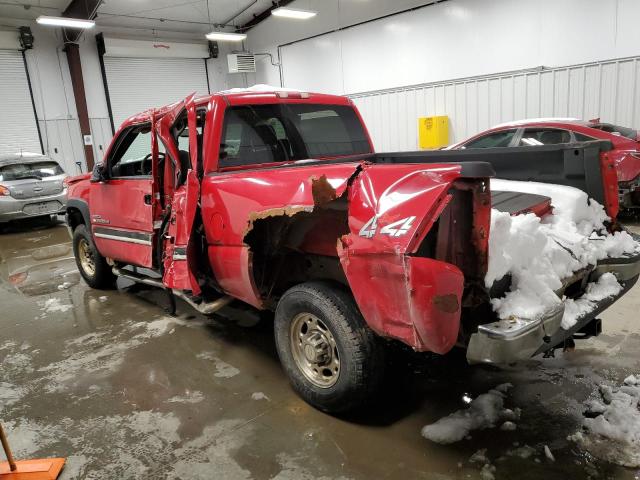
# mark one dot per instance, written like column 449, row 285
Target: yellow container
column 433, row 132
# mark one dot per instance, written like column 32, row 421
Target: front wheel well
column 74, row 218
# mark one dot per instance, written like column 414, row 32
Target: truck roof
column 257, row 94
column 239, row 96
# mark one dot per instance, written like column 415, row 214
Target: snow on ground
column 540, row 253
column 485, row 411
column 611, row 430
column 52, row 305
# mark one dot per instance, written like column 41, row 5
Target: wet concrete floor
column 110, row 381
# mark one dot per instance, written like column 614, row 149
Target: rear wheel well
column 289, row 248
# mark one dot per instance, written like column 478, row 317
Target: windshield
column 610, row 128
column 284, row 132
column 39, row 170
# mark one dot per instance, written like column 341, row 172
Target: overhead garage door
column 18, row 128
column 136, row 84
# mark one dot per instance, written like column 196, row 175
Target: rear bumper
column 16, row 209
column 509, row 341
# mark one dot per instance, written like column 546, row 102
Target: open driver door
column 184, row 127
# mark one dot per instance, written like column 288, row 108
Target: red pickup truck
column 277, row 199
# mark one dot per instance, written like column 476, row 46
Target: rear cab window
column 583, row 138
column 38, row 170
column 544, row 136
column 257, row 134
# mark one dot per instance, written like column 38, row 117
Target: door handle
column 147, row 199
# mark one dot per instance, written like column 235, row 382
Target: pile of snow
column 612, row 430
column 540, row 253
column 485, row 411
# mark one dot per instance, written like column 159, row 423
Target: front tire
column 92, row 266
column 333, row 360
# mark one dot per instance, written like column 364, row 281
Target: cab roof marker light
column 65, row 22
column 282, row 94
column 305, row 94
column 293, row 13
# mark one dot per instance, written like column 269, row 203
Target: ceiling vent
column 241, row 63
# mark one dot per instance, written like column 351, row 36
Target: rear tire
column 92, row 266
column 334, row 361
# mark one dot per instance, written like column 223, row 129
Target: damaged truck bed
column 277, row 199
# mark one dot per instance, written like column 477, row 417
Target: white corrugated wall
column 607, row 89
column 18, row 128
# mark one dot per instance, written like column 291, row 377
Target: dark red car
column 552, row 131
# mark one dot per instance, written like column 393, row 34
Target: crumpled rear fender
column 413, row 299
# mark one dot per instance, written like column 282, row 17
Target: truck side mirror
column 98, row 174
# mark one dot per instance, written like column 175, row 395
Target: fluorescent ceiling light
column 65, row 22
column 293, row 13
column 226, row 36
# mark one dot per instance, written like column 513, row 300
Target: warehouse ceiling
column 185, row 16
column 190, row 19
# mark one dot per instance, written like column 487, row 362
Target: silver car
column 31, row 186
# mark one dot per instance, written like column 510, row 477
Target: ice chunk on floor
column 53, row 305
column 488, row 472
column 614, row 435
column 485, row 411
column 479, row 457
column 508, row 426
column 548, row 454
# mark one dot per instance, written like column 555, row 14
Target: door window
column 544, row 136
column 493, row 140
column 132, row 157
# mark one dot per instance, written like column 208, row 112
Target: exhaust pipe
column 205, row 308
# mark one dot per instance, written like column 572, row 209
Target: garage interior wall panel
column 137, row 84
column 101, row 133
column 62, row 140
column 608, row 90
column 18, row 128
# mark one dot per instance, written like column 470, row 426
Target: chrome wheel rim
column 85, row 255
column 314, row 350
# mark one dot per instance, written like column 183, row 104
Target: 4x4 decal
column 395, row 229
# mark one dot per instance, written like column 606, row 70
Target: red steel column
column 75, row 69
